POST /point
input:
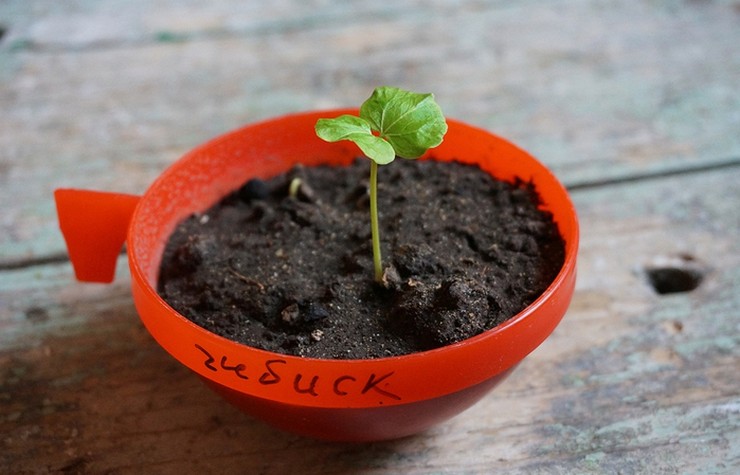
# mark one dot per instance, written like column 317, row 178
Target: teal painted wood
column 106, row 94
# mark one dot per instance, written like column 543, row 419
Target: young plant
column 392, row 122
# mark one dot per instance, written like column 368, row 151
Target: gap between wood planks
column 669, row 172
column 63, row 258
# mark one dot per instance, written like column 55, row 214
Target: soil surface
column 294, row 274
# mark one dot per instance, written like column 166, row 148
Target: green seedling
column 392, row 123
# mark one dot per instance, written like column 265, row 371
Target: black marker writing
column 236, row 369
column 372, row 383
column 209, row 361
column 311, row 388
column 339, row 381
column 276, row 371
column 270, row 376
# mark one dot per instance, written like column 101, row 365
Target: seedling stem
column 392, row 123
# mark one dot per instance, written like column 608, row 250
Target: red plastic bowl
column 348, row 400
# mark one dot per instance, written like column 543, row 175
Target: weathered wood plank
column 106, row 94
column 631, row 382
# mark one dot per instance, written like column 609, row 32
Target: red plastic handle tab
column 94, row 225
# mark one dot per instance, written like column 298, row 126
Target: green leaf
column 411, row 122
column 392, row 122
column 357, row 130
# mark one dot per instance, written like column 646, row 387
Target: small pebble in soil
column 294, row 274
column 254, row 189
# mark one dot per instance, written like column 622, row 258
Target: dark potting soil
column 294, row 274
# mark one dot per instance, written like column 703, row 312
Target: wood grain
column 631, row 382
column 105, row 95
column 633, row 104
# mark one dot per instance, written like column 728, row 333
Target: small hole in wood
column 670, row 280
column 3, row 30
column 37, row 314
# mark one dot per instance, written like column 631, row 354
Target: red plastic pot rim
column 265, row 149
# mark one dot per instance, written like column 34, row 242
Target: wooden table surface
column 634, row 104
